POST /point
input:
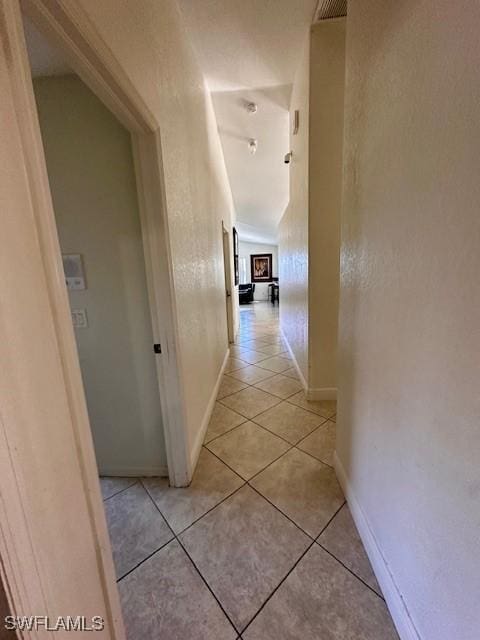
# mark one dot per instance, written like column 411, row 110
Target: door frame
column 27, row 564
column 227, row 267
column 69, row 29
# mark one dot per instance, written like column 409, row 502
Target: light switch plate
column 74, row 275
column 79, row 318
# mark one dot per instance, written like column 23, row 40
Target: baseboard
column 396, row 605
column 328, row 393
column 303, row 382
column 206, row 418
column 134, row 472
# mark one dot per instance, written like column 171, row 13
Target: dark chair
column 245, row 293
column 274, row 291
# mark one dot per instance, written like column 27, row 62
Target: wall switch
column 73, row 267
column 79, row 318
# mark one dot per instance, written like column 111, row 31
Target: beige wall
column 92, row 180
column 327, row 82
column 149, row 41
column 4, row 612
column 245, row 250
column 409, row 341
column 293, row 228
column 310, row 228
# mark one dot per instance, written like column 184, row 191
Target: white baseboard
column 303, row 382
column 134, row 472
column 206, row 418
column 328, row 393
column 396, row 605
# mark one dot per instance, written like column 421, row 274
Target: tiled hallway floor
column 261, row 546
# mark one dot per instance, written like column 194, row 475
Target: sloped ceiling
column 249, row 50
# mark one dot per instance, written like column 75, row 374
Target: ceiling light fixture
column 252, row 146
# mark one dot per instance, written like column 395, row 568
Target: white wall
column 409, row 405
column 150, row 43
column 327, row 82
column 293, row 228
column 92, row 180
column 245, row 250
column 310, row 228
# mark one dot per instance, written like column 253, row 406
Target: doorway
column 227, row 267
column 51, row 501
column 92, row 180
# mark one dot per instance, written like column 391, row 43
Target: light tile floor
column 261, row 545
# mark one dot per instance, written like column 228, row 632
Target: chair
column 245, row 293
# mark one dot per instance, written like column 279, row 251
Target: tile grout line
column 315, row 458
column 330, row 417
column 247, row 483
column 205, row 442
column 252, row 420
column 321, row 425
column 257, row 414
column 249, row 384
column 146, row 558
column 278, row 436
column 290, row 571
column 215, row 506
column 273, row 434
column 256, row 474
column 295, row 446
column 121, row 490
column 175, row 537
column 348, row 568
column 280, row 511
column 229, row 373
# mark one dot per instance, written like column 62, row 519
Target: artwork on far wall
column 235, row 256
column 261, row 267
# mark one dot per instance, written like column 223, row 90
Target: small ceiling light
column 251, row 107
column 252, row 146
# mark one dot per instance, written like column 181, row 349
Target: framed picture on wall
column 235, row 255
column 261, row 267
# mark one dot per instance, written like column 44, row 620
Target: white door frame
column 227, row 267
column 54, row 545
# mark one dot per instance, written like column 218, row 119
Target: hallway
column 262, row 543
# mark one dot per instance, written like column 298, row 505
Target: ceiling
column 45, row 60
column 249, row 50
column 259, row 182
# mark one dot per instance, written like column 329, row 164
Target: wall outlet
column 79, row 318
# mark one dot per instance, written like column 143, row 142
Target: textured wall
column 149, row 41
column 293, row 228
column 327, row 82
column 409, row 405
column 310, row 228
column 92, row 180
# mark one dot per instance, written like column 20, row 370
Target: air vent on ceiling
column 331, row 9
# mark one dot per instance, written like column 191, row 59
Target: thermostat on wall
column 73, row 268
column 79, row 318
